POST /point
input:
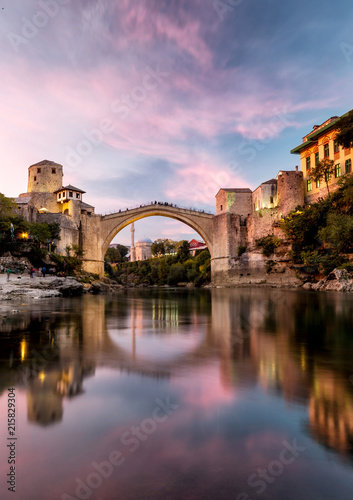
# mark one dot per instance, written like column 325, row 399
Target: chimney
column 296, row 168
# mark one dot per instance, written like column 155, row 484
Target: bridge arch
column 200, row 222
column 97, row 231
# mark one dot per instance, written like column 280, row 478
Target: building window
column 316, row 158
column 221, row 207
column 338, row 170
column 59, row 195
column 53, row 170
column 336, row 147
column 39, row 170
column 78, row 195
column 327, row 177
column 35, row 178
column 71, row 194
column 326, row 150
column 271, row 200
column 308, row 163
column 318, row 183
column 309, row 185
column 348, row 166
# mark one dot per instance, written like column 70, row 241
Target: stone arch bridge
column 221, row 233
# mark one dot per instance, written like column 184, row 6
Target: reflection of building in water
column 44, row 404
column 46, row 391
column 252, row 332
column 331, row 411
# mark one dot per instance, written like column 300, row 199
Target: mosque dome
column 144, row 240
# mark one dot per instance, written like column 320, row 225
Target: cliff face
column 253, row 268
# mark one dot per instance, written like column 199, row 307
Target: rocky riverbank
column 39, row 288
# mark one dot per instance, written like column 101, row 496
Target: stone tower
column 290, row 190
column 45, row 177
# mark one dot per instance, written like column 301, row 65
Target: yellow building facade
column 319, row 144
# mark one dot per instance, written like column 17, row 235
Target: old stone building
column 321, row 143
column 47, row 200
column 256, row 213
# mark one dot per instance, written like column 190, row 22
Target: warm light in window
column 24, row 235
column 42, row 376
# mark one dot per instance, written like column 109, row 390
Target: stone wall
column 260, row 224
column 92, row 242
column 290, row 191
column 234, row 201
column 42, row 200
column 69, row 230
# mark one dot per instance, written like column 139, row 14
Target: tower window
column 221, row 207
column 53, row 170
column 271, row 200
column 59, row 195
column 78, row 195
column 34, row 178
column 39, row 170
column 70, row 194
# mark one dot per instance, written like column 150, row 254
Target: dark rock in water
column 70, row 287
column 100, row 287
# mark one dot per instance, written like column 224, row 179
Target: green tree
column 177, row 274
column 40, row 233
column 183, row 251
column 158, row 248
column 345, row 135
column 116, row 255
column 323, row 171
column 7, row 206
column 338, row 232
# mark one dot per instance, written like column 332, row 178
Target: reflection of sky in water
column 152, row 346
column 238, row 402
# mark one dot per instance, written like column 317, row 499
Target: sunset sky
column 167, row 100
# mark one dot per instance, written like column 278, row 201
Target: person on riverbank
column 44, row 270
column 8, row 272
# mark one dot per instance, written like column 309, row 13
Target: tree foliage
column 345, row 135
column 323, row 171
column 116, row 255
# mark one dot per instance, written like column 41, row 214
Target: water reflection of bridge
column 247, row 333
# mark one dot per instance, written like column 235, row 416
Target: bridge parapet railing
column 158, row 203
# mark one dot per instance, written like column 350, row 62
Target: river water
column 180, row 394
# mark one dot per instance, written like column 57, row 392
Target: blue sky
column 167, row 100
